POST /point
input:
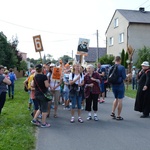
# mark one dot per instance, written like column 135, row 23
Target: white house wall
column 117, row 47
column 138, row 37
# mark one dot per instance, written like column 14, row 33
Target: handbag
column 48, row 95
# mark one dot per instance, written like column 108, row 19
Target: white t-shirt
column 76, row 76
column 53, row 82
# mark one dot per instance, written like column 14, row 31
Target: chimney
column 142, row 9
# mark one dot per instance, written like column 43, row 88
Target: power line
column 39, row 29
column 142, row 4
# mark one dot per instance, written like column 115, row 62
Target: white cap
column 52, row 65
column 145, row 63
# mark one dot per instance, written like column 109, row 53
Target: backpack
column 113, row 75
column 74, row 86
column 12, row 78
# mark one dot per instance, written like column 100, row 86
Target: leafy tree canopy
column 106, row 59
column 143, row 55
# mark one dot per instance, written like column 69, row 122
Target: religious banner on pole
column 83, row 46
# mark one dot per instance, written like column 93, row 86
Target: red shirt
column 87, row 80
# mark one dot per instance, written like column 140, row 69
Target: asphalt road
column 133, row 133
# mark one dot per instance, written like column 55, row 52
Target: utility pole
column 97, row 45
column 72, row 54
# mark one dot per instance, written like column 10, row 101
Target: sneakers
column 63, row 104
column 82, row 107
column 101, row 101
column 89, row 118
column 40, row 116
column 46, row 125
column 72, row 120
column 36, row 122
column 67, row 108
column 80, row 120
column 95, row 118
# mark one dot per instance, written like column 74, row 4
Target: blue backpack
column 12, row 78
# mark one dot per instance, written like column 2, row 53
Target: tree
column 65, row 58
column 123, row 57
column 8, row 56
column 125, row 61
column 143, row 55
column 107, row 59
column 49, row 57
column 23, row 65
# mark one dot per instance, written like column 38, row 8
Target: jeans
column 10, row 90
column 134, row 83
column 76, row 99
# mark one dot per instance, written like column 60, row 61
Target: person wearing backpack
column 118, row 87
column 12, row 78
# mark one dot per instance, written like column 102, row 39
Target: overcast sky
column 60, row 22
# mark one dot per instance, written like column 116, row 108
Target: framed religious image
column 83, row 46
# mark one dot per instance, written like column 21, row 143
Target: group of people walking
column 78, row 85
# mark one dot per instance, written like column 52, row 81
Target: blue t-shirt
column 121, row 74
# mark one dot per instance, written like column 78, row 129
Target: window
column 121, row 37
column 116, row 23
column 111, row 41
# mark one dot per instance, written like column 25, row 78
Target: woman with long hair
column 76, row 81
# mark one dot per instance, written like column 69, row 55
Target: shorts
column 36, row 104
column 56, row 95
column 66, row 95
column 102, row 87
column 118, row 91
column 43, row 103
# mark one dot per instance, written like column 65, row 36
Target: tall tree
column 125, row 61
column 106, row 59
column 143, row 55
column 123, row 57
column 8, row 55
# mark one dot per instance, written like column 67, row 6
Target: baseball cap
column 39, row 66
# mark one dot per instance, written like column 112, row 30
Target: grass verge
column 16, row 131
column 130, row 93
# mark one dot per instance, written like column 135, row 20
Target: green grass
column 130, row 93
column 16, row 131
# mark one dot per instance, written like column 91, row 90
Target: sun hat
column 52, row 65
column 145, row 63
column 33, row 71
column 133, row 67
